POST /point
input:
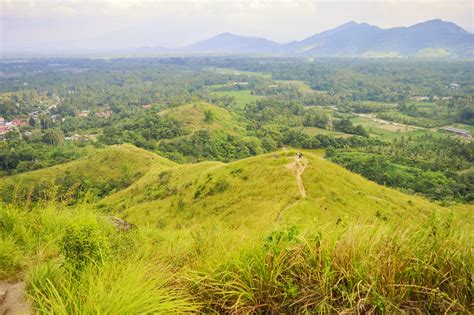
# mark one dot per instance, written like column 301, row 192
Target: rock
column 121, row 224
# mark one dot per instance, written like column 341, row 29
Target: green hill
column 272, row 233
column 212, row 133
column 260, row 193
column 102, row 172
column 193, row 118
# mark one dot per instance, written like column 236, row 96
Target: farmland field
column 242, row 97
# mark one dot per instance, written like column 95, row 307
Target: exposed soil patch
column 298, row 166
column 12, row 299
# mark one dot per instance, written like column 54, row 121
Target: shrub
column 83, row 243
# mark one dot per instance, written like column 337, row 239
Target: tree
column 209, row 116
column 53, row 137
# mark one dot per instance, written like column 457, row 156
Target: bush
column 83, row 243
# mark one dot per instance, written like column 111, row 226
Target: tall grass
column 76, row 262
column 424, row 268
column 130, row 286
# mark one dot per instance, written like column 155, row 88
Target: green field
column 239, row 72
column 386, row 131
column 242, row 97
column 313, row 131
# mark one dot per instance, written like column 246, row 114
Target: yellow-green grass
column 192, row 116
column 257, row 194
column 240, row 238
column 242, row 97
column 107, row 169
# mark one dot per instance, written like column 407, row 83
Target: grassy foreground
column 240, row 238
column 76, row 262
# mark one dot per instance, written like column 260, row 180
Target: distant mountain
column 231, row 43
column 434, row 38
column 430, row 38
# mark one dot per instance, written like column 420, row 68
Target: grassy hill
column 272, row 233
column 247, row 198
column 192, row 116
column 213, row 133
column 102, row 172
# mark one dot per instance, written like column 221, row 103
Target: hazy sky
column 134, row 23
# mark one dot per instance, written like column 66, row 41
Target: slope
column 361, row 39
column 212, row 133
column 260, row 193
column 231, row 43
column 106, row 170
column 193, row 118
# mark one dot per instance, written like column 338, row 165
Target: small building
column 105, row 114
column 2, row 121
column 74, row 137
column 19, row 123
column 146, row 106
column 420, row 98
column 460, row 132
column 83, row 114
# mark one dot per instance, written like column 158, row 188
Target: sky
column 98, row 24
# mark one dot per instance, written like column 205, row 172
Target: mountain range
column 434, row 38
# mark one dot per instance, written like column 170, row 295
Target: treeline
column 437, row 167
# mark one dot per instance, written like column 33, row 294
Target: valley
column 236, row 184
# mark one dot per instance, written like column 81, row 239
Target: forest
column 383, row 120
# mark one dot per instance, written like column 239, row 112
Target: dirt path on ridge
column 12, row 299
column 298, row 166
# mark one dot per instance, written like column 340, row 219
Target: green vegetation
column 103, row 172
column 432, row 166
column 173, row 185
column 239, row 98
column 240, row 237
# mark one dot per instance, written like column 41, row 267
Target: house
column 19, row 123
column 105, row 114
column 146, row 106
column 460, row 132
column 420, row 98
column 2, row 121
column 74, row 137
column 83, row 114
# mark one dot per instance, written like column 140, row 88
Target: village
column 24, row 124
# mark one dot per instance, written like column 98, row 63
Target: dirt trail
column 12, row 299
column 298, row 166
